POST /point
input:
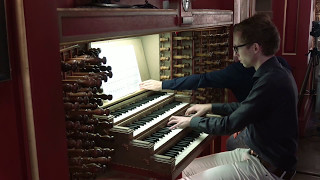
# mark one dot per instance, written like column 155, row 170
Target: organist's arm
column 199, row 110
column 234, row 77
column 217, row 108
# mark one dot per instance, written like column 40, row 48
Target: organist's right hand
column 198, row 110
column 151, row 85
column 179, row 122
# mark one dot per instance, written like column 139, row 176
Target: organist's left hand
column 150, row 84
column 198, row 110
column 179, row 122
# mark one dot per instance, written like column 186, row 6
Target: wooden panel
column 208, row 17
column 84, row 25
column 77, row 3
column 13, row 154
column 297, row 61
column 93, row 24
column 243, row 9
column 290, row 27
column 46, row 89
column 205, row 4
column 295, row 41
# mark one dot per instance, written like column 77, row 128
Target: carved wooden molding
column 92, row 24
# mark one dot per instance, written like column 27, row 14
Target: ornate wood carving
column 317, row 10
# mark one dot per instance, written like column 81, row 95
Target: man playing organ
column 271, row 106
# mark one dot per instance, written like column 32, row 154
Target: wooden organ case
column 132, row 131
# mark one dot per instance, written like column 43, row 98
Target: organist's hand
column 179, row 122
column 198, row 110
column 151, row 85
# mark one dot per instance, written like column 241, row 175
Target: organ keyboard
column 171, row 161
column 123, row 113
column 143, row 140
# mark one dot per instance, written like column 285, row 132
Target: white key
column 143, row 106
column 189, row 148
column 158, row 119
column 166, row 138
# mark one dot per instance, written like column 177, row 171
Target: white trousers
column 236, row 164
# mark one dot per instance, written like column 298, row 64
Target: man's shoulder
column 277, row 76
column 283, row 62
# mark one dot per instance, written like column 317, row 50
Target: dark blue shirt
column 269, row 114
column 234, row 77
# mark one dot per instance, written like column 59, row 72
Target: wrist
column 194, row 122
column 208, row 107
column 189, row 121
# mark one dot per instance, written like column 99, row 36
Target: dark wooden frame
column 5, row 72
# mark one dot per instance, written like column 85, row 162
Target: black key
column 140, row 122
column 157, row 134
column 184, row 144
column 178, row 148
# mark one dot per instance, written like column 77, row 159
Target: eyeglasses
column 236, row 48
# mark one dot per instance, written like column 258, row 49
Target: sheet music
column 126, row 75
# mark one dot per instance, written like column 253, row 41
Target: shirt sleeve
column 224, row 108
column 225, row 78
column 253, row 107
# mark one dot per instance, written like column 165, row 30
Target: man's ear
column 257, row 47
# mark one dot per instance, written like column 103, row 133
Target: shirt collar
column 266, row 66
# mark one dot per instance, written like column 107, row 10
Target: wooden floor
column 308, row 167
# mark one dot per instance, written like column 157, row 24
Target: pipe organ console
column 143, row 139
column 132, row 131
